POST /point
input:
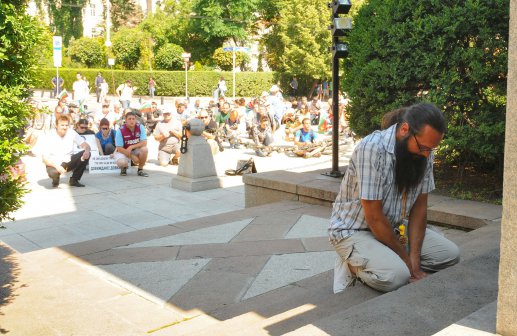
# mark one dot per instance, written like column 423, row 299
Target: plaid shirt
column 371, row 176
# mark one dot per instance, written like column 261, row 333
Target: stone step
column 480, row 323
column 429, row 305
column 309, row 307
column 315, row 188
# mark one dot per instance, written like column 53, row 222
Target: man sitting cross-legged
column 168, row 133
column 131, row 142
column 58, row 153
column 305, row 140
column 263, row 136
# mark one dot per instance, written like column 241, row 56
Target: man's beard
column 409, row 167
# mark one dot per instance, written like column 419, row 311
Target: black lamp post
column 340, row 27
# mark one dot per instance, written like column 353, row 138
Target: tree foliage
column 170, row 24
column 298, row 42
column 216, row 21
column 125, row 13
column 452, row 53
column 20, row 39
column 127, row 47
column 224, row 59
column 88, row 51
column 168, row 57
column 66, row 18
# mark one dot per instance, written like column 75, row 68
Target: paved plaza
column 133, row 256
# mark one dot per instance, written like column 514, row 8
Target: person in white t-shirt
column 105, row 113
column 80, row 88
column 125, row 93
column 168, row 133
column 58, row 153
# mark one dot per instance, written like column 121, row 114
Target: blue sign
column 242, row 49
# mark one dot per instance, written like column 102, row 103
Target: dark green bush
column 451, row 53
column 168, row 83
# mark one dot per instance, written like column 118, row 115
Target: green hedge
column 168, row 83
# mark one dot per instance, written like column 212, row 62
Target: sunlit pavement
column 131, row 256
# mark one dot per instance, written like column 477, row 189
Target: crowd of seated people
column 259, row 121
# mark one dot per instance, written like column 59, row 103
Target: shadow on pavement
column 8, row 274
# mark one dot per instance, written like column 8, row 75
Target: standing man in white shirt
column 125, row 93
column 58, row 153
column 80, row 88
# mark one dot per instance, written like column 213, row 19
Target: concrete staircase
column 309, row 307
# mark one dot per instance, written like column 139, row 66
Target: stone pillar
column 507, row 298
column 196, row 171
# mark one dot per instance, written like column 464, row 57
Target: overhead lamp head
column 341, row 26
column 340, row 50
column 340, row 6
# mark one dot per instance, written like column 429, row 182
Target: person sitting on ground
column 306, row 141
column 378, row 225
column 276, row 106
column 303, row 100
column 168, row 133
column 231, row 129
column 154, row 116
column 326, row 118
column 315, row 110
column 83, row 127
column 263, row 137
column 58, row 154
column 251, row 115
column 118, row 115
column 61, row 109
column 289, row 120
column 210, row 133
column 305, row 135
column 263, row 111
column 240, row 106
column 106, row 114
column 195, row 108
column 105, row 138
column 131, row 142
column 122, row 120
column 181, row 115
column 223, row 115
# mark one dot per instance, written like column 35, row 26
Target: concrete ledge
column 315, row 188
column 309, row 187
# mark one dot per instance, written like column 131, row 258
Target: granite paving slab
column 159, row 278
column 214, row 234
column 281, row 270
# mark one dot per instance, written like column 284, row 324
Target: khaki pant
column 380, row 267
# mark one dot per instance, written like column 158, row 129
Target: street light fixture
column 339, row 27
